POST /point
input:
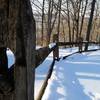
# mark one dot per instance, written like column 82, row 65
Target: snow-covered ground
column 42, row 69
column 75, row 78
column 41, row 72
column 11, row 58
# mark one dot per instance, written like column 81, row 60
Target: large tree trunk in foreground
column 7, row 39
column 17, row 31
column 25, row 52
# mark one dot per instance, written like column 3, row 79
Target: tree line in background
column 70, row 19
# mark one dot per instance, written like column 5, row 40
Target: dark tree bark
column 49, row 21
column 17, row 31
column 51, row 18
column 25, row 52
column 7, row 27
column 73, row 31
column 76, row 5
column 69, row 27
column 82, row 21
column 42, row 25
column 63, row 31
column 59, row 16
column 90, row 23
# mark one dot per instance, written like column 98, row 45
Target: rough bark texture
column 7, row 27
column 17, row 31
column 3, row 23
column 90, row 23
column 25, row 51
column 69, row 26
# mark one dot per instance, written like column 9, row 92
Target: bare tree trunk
column 3, row 22
column 49, row 21
column 90, row 24
column 76, row 8
column 73, row 32
column 69, row 21
column 25, row 52
column 7, row 38
column 94, row 31
column 59, row 14
column 63, row 30
column 17, row 31
column 78, row 18
column 81, row 26
column 42, row 30
column 51, row 18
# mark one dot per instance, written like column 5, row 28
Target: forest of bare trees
column 70, row 19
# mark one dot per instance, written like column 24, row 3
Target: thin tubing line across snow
column 79, row 52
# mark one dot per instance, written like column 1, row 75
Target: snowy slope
column 42, row 69
column 75, row 78
column 41, row 72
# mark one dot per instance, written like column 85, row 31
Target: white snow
column 75, row 78
column 42, row 69
column 41, row 72
column 51, row 45
column 11, row 57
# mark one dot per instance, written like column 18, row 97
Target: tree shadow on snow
column 69, row 81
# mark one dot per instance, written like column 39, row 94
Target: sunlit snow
column 75, row 78
column 11, row 58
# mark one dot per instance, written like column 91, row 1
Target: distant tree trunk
column 73, row 32
column 83, row 15
column 94, row 31
column 42, row 25
column 59, row 15
column 49, row 21
column 17, row 31
column 69, row 27
column 63, row 30
column 90, row 23
column 78, row 5
column 51, row 18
